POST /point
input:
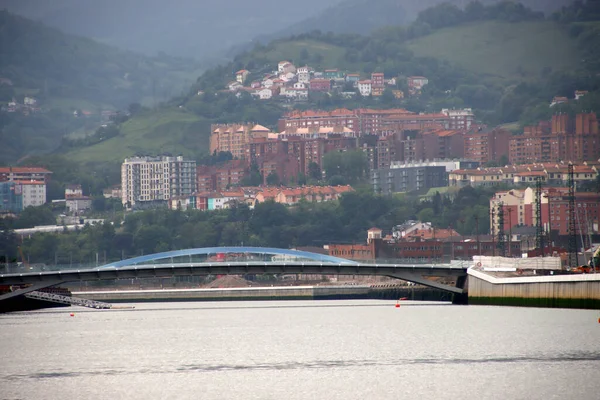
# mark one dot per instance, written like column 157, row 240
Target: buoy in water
column 397, row 305
column 72, row 314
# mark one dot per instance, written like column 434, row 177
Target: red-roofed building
column 561, row 139
column 220, row 177
column 319, row 85
column 486, row 146
column 24, row 174
column 519, row 209
column 241, row 75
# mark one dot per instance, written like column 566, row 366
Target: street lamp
column 547, row 196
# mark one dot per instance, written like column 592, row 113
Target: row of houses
column 519, row 209
column 254, row 195
column 295, row 83
column 22, row 187
column 555, row 174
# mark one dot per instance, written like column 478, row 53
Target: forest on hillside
column 385, row 50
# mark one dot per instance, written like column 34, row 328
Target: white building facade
column 34, row 193
column 156, row 179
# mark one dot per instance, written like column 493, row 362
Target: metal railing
column 57, row 298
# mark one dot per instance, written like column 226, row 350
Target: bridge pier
column 461, row 298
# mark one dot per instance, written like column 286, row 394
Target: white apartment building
column 459, row 119
column 365, row 87
column 34, row 193
column 156, row 179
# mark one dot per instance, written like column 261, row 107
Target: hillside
column 65, row 74
column 363, row 16
column 502, row 88
column 50, row 64
column 184, row 28
column 515, row 51
column 149, row 133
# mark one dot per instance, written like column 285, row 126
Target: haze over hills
column 481, row 74
column 64, row 74
column 185, row 28
column 362, row 16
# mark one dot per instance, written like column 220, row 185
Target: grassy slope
column 489, row 47
column 165, row 131
column 502, row 49
column 290, row 50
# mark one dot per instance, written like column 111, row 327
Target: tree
column 35, row 216
column 314, row 171
column 134, row 108
column 273, row 179
column 387, row 97
column 350, row 165
column 254, row 177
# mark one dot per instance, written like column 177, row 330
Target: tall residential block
column 149, row 181
column 233, row 137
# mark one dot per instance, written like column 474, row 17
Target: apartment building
column 485, row 146
column 149, row 181
column 24, row 174
column 459, row 119
column 561, row 139
column 519, row 209
column 407, row 178
column 549, row 173
column 234, row 137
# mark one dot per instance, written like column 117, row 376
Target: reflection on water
column 300, row 349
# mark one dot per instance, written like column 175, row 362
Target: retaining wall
column 566, row 291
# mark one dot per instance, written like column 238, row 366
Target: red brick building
column 520, row 210
column 561, row 139
column 363, row 121
column 420, row 250
column 24, row 174
column 219, row 178
column 485, row 146
column 319, row 85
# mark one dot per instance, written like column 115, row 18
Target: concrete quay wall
column 564, row 291
column 231, row 294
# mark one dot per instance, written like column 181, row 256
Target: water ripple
column 321, row 364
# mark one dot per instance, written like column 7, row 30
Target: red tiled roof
column 31, row 182
column 24, row 170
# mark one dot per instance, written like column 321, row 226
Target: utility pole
column 547, row 196
column 539, row 228
column 573, row 259
column 510, row 232
column 501, row 235
column 477, row 234
column 493, row 211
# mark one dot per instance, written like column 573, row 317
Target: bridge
column 238, row 261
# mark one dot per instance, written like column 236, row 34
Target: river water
column 365, row 349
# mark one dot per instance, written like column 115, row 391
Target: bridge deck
column 409, row 272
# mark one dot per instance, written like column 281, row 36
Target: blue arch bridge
column 238, row 261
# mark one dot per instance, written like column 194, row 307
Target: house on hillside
column 580, row 93
column 285, row 67
column 335, row 74
column 303, row 74
column 234, row 86
column 558, row 100
column 241, row 75
column 364, row 87
column 416, row 84
column 320, row 85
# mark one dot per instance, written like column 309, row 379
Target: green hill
column 51, row 64
column 66, row 73
column 516, row 51
column 363, row 16
column 152, row 132
column 504, row 63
